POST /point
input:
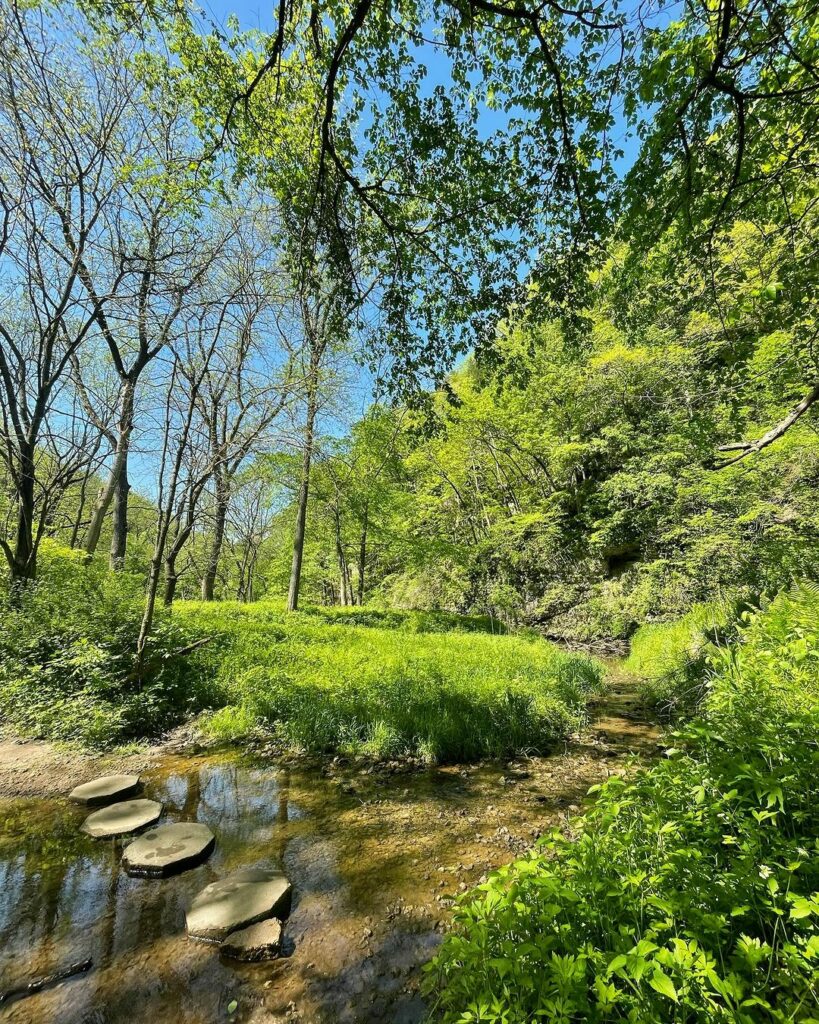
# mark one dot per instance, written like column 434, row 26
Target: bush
column 689, row 893
column 323, row 687
column 67, row 658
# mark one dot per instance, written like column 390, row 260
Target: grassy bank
column 426, row 684
column 385, row 683
column 672, row 658
column 690, row 892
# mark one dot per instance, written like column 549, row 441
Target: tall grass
column 322, row 684
column 386, row 683
column 671, row 657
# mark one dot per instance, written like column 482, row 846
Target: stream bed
column 375, row 858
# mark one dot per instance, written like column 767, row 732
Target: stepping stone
column 242, row 898
column 261, row 941
column 168, row 849
column 106, row 790
column 117, row 819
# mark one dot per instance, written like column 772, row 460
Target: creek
column 375, row 857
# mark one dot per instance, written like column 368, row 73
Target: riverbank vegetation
column 437, row 686
column 441, row 696
column 689, row 891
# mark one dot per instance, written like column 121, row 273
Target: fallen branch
column 50, row 979
column 190, row 647
column 148, row 666
column 746, row 448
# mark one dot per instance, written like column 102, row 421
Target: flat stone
column 117, row 819
column 168, row 849
column 240, row 899
column 106, row 790
column 260, row 941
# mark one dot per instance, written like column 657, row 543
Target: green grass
column 671, row 657
column 422, row 684
column 375, row 681
column 690, row 892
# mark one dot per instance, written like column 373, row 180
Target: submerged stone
column 246, row 896
column 168, row 849
column 260, row 941
column 105, row 790
column 118, row 819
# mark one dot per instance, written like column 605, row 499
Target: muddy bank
column 375, row 859
column 34, row 768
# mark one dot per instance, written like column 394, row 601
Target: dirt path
column 375, row 858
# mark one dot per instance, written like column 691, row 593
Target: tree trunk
column 111, row 489
column 362, row 553
column 304, row 493
column 77, row 525
column 171, row 579
column 212, row 568
column 23, row 564
column 119, row 536
column 343, row 586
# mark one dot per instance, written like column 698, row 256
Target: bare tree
column 161, row 246
column 250, row 523
column 192, row 363
column 325, row 316
column 59, row 133
column 252, row 382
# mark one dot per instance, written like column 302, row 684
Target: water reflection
column 370, row 858
column 64, row 898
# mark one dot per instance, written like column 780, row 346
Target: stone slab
column 260, row 941
column 105, row 790
column 119, row 819
column 168, row 849
column 240, row 899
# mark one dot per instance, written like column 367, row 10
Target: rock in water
column 242, row 898
column 168, row 849
column 106, row 790
column 117, row 819
column 261, row 941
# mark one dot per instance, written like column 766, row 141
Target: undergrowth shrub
column 415, row 621
column 67, row 648
column 445, row 696
column 689, row 893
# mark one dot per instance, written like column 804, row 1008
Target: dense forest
column 405, row 392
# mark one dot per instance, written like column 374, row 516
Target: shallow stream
column 375, row 858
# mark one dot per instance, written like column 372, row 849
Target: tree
column 162, row 244
column 59, row 149
column 252, row 380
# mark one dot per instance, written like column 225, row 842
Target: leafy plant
column 67, row 658
column 690, row 891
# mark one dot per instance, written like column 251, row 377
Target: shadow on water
column 374, row 860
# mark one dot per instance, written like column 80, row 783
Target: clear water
column 373, row 859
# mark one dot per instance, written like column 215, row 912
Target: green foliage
column 574, row 485
column 406, row 684
column 412, row 621
column 671, row 657
column 690, row 891
column 67, row 646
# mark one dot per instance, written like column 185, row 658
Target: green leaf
column 661, row 983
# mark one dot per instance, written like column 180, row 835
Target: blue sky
column 259, row 14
